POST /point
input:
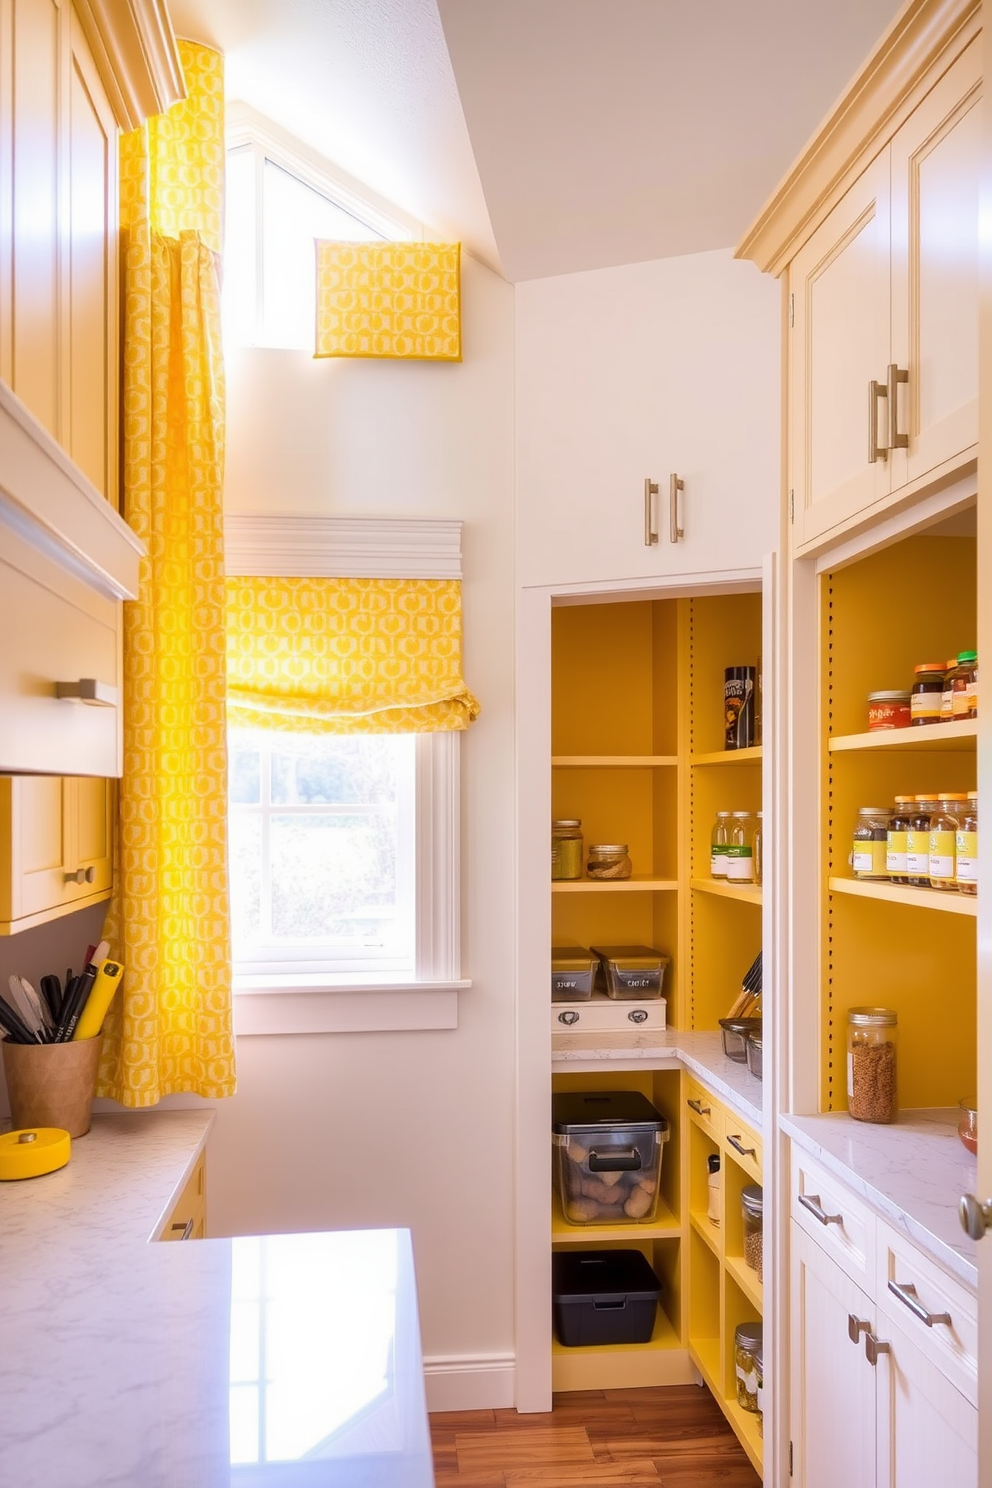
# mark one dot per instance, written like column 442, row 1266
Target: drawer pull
column 699, row 1108
column 875, row 1346
column 186, row 1228
column 738, row 1146
column 812, row 1203
column 650, row 529
column 88, row 690
column 907, row 1296
column 674, row 528
column 876, row 451
column 81, row 876
column 893, row 377
column 856, row 1326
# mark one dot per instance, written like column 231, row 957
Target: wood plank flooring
column 670, row 1437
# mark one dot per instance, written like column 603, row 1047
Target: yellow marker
column 28, row 1154
column 101, row 996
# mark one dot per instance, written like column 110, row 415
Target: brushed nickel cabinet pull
column 186, row 1228
column 738, row 1146
column 876, row 451
column 80, row 876
column 893, row 377
column 674, row 487
column 907, row 1296
column 873, row 1347
column 856, row 1326
column 650, row 525
column 812, row 1203
column 88, row 690
column 698, row 1107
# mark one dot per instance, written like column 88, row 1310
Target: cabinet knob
column 568, row 1017
column 974, row 1215
column 88, row 690
column 80, row 876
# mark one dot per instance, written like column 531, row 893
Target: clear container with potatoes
column 607, row 1150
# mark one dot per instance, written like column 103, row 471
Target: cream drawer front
column 56, row 629
column 827, row 1210
column 926, row 1289
column 703, row 1110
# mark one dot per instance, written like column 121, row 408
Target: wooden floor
column 672, row 1437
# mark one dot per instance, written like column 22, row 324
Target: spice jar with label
column 888, row 710
column 896, row 839
column 609, row 860
column 964, row 683
column 747, row 1343
column 928, row 689
column 740, row 848
column 944, row 826
column 752, row 1205
column 719, row 842
column 918, row 842
column 870, row 843
column 947, row 696
column 871, row 1064
column 566, row 848
column 966, row 847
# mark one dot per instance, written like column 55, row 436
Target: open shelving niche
column 636, row 754
column 886, row 944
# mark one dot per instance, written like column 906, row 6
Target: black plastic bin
column 603, row 1296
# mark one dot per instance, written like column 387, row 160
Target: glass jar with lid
column 752, row 1203
column 759, row 1364
column 719, row 842
column 871, row 834
column 966, row 848
column 944, row 826
column 871, row 1064
column 609, row 860
column 566, row 848
column 947, row 696
column 756, row 848
column 964, row 701
column 740, row 848
column 747, row 1345
column 896, row 839
column 927, row 693
column 918, row 842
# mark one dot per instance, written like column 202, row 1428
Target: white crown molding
column 134, row 48
column 342, row 547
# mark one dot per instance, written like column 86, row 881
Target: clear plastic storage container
column 573, row 973
column 607, row 1150
column 627, row 971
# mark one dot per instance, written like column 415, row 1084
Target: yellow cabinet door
column 55, row 847
column 936, row 169
column 839, row 347
column 188, row 1220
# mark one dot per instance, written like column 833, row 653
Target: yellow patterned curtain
column 389, row 300
column 172, row 1028
column 346, row 656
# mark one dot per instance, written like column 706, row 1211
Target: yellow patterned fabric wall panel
column 389, row 300
column 171, row 1029
column 346, row 655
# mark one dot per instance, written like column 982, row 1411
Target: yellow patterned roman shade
column 346, row 656
column 389, row 300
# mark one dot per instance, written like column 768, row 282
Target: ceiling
column 550, row 136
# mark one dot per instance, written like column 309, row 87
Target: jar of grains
column 747, row 1345
column 871, row 835
column 566, row 848
column 751, row 1212
column 871, row 1064
column 609, row 860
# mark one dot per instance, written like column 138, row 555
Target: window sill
column 309, row 1004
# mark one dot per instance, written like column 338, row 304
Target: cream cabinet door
column 833, row 1385
column 927, row 1430
column 55, row 847
column 936, row 167
column 839, row 346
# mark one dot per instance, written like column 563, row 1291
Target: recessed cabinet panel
column 55, row 847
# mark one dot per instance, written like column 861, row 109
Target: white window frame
column 384, row 548
column 246, row 129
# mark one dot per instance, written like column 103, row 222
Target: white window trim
column 385, row 548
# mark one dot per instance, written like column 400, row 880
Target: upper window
column 278, row 200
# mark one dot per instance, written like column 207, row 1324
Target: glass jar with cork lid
column 566, row 848
column 871, row 1064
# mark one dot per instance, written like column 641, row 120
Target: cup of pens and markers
column 51, row 1045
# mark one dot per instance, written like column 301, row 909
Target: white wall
column 401, row 1128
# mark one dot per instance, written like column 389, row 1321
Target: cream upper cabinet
column 55, row 847
column 59, row 235
column 884, row 308
column 637, row 374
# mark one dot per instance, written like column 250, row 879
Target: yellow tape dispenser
column 36, row 1150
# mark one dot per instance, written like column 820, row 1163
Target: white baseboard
column 457, row 1382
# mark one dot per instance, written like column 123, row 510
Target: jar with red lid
column 927, row 693
column 888, row 710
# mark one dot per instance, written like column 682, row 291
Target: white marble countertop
column 271, row 1361
column 702, row 1053
column 912, row 1173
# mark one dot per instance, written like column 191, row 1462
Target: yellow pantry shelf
column 708, row 1232
column 937, row 737
column 728, row 757
column 746, row 1279
column 743, row 893
column 637, row 884
column 705, row 1354
column 942, row 900
column 628, row 1366
column 663, row 1227
column 612, row 761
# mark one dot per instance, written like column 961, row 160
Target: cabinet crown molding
column 922, row 42
column 135, row 51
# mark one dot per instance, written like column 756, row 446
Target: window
column 279, row 197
